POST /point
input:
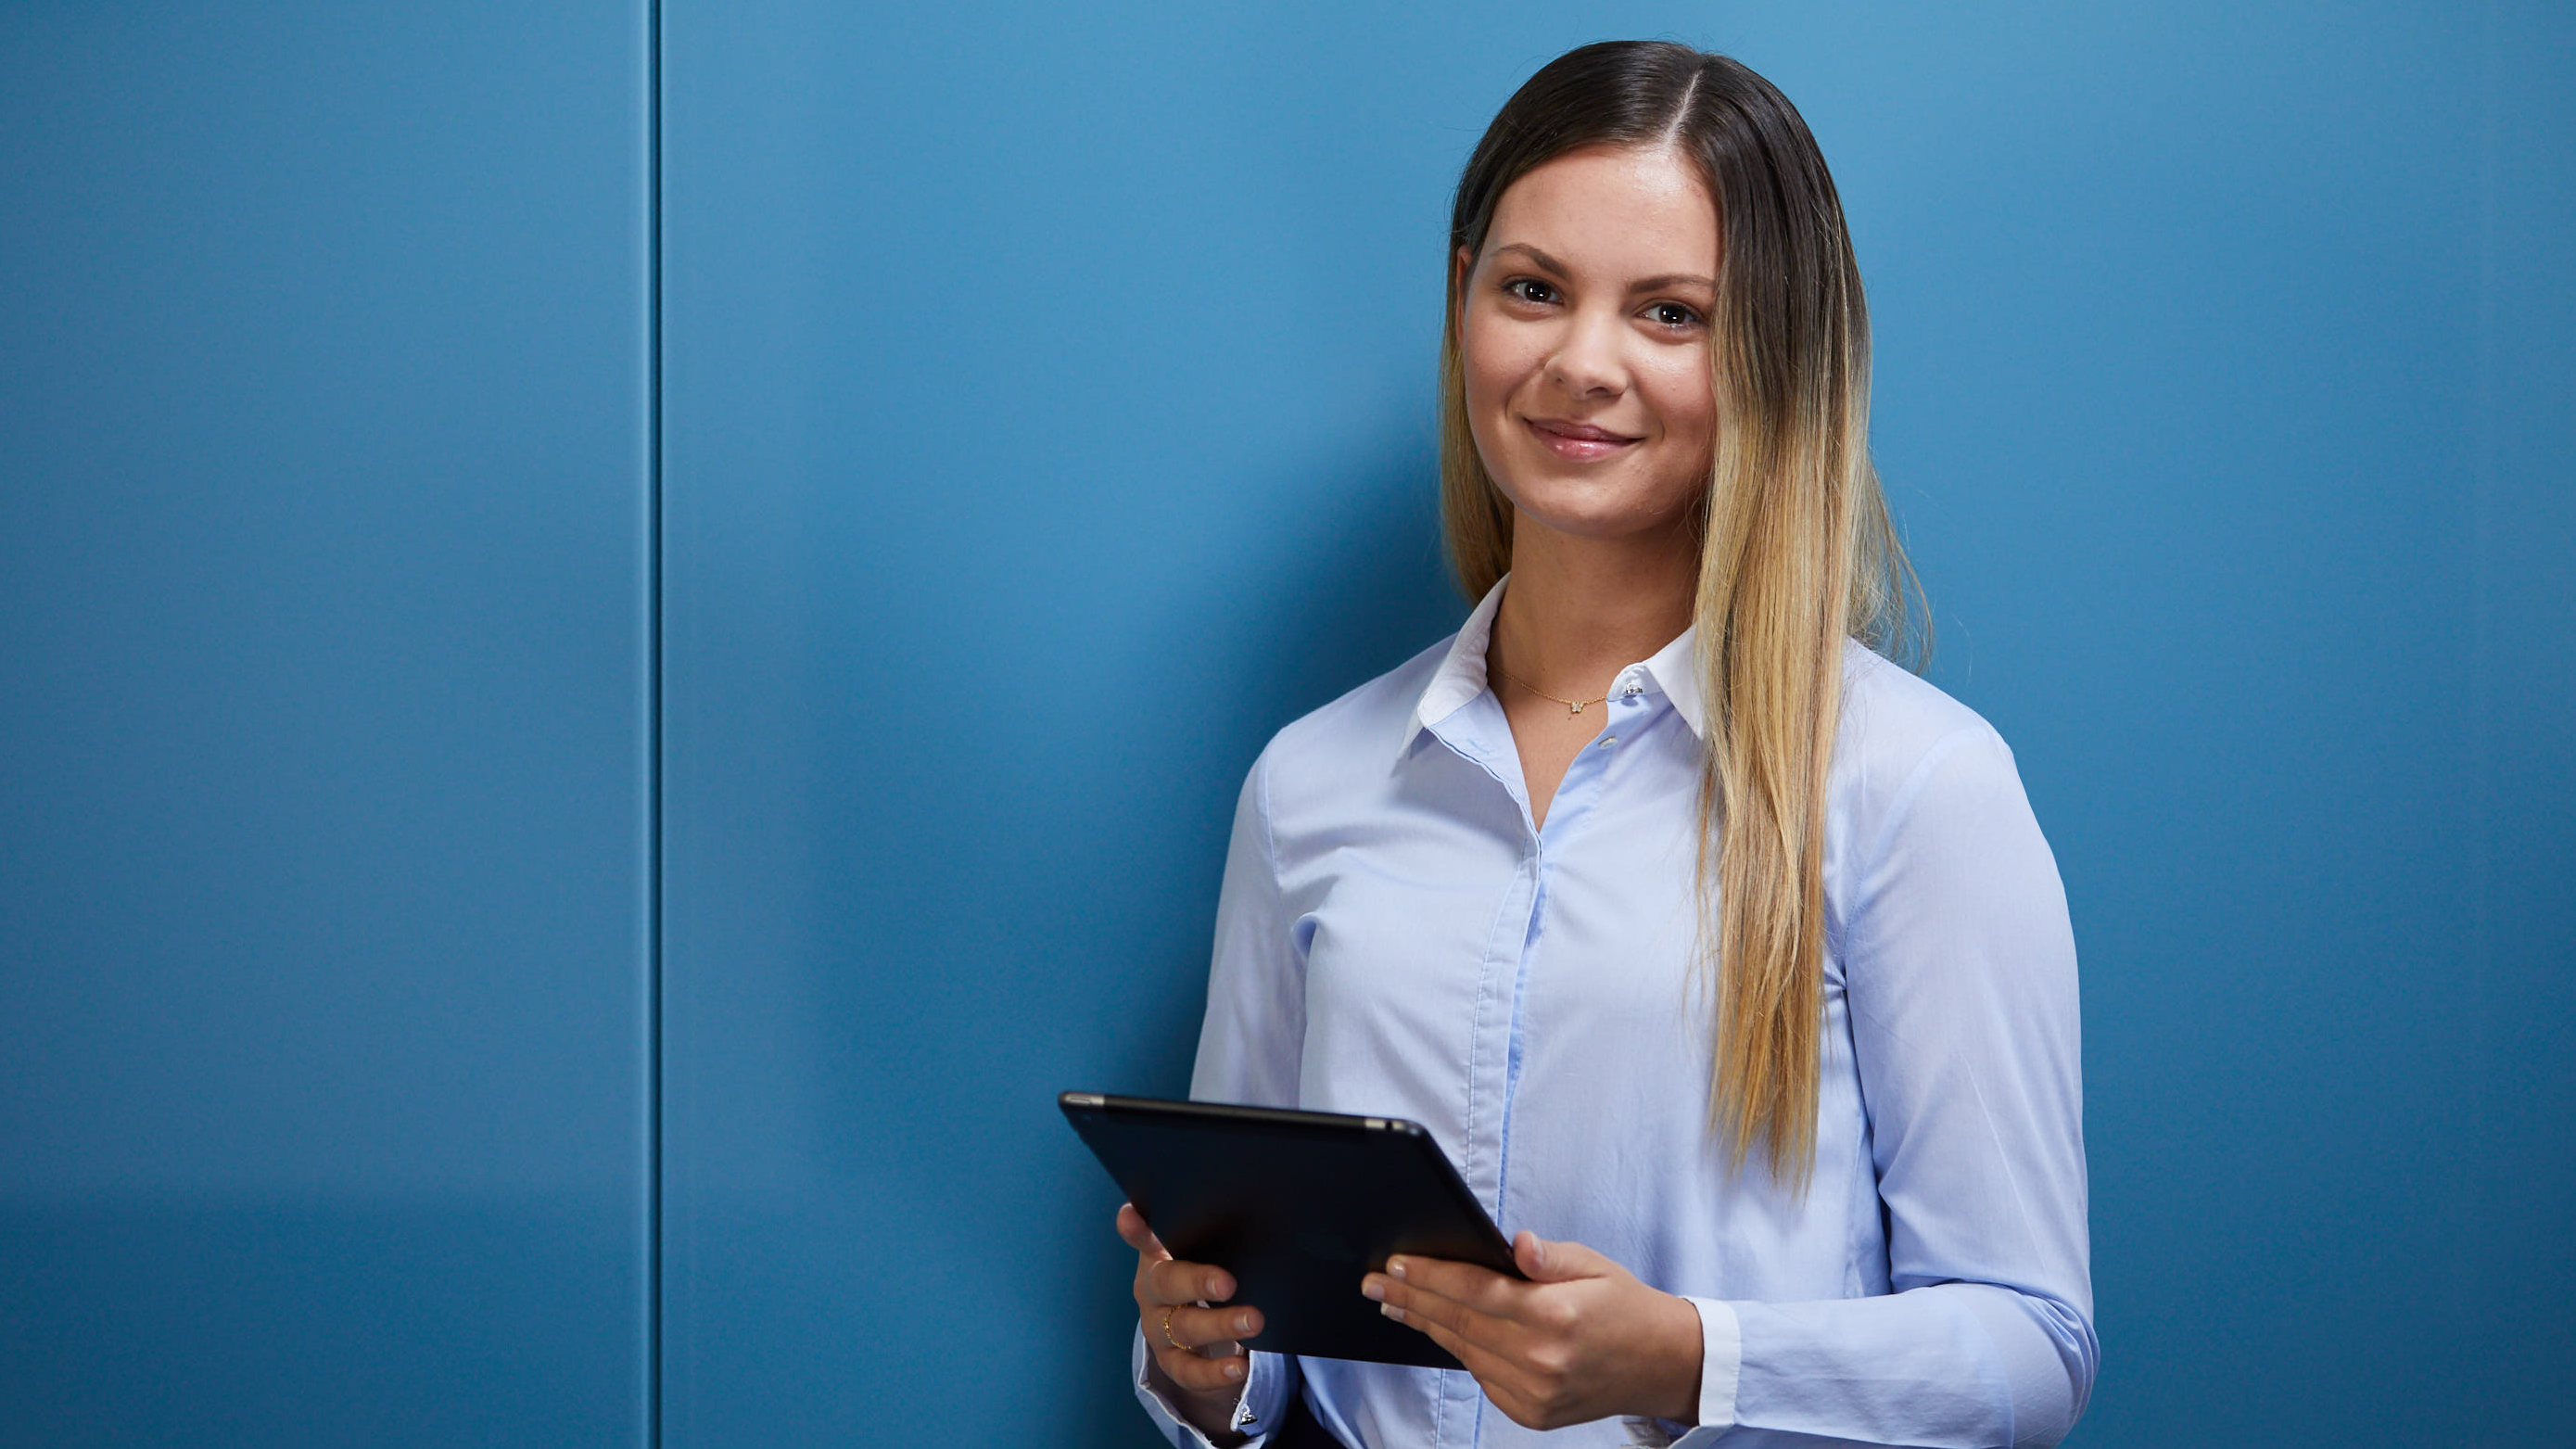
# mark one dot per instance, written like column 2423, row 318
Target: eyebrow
column 1642, row 284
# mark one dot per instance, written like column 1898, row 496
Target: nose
column 1587, row 362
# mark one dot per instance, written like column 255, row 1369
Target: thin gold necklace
column 1572, row 706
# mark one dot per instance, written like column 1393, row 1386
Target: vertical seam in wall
column 653, row 724
column 2483, row 794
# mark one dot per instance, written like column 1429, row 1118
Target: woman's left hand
column 1581, row 1340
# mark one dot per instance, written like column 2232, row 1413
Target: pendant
column 1575, row 709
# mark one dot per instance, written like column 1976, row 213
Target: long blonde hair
column 1796, row 548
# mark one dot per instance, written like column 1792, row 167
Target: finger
column 1194, row 1346
column 1547, row 1262
column 1489, row 1367
column 1482, row 1289
column 1419, row 1306
column 1132, row 1230
column 1208, row 1331
column 1191, row 1371
column 1173, row 1281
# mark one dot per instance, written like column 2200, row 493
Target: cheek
column 1685, row 400
column 1684, row 395
column 1495, row 360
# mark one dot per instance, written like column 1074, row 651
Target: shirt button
column 1608, row 740
column 1634, row 690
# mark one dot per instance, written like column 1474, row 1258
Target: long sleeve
column 1249, row 1044
column 1959, row 971
column 1255, row 1027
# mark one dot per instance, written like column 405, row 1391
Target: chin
column 1588, row 508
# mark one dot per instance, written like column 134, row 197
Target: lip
column 1577, row 442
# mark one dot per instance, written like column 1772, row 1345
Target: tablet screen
column 1297, row 1206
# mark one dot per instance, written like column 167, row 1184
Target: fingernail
column 1372, row 1290
column 1233, row 1370
column 1395, row 1267
column 1243, row 1323
column 1391, row 1311
column 1219, row 1290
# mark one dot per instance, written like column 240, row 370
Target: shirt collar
column 1461, row 675
column 1674, row 670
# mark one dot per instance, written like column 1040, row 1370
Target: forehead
column 1616, row 211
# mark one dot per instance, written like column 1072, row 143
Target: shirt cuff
column 1257, row 1412
column 1721, row 1359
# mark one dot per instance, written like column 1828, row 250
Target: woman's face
column 1584, row 329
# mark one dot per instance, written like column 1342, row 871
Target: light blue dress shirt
column 1394, row 939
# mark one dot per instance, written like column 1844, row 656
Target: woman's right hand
column 1193, row 1343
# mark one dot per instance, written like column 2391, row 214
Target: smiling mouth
column 1577, row 442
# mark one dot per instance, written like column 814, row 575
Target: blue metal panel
column 1049, row 420
column 324, row 442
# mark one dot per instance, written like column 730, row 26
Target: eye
column 1530, row 289
column 1674, row 315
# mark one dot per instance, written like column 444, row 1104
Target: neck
column 1578, row 610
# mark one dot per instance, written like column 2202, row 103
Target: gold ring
column 1167, row 1330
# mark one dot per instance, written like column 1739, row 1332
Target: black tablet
column 1297, row 1206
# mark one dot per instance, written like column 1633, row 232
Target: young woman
column 1723, row 956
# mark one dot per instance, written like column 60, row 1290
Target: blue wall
column 1043, row 409
column 324, row 466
